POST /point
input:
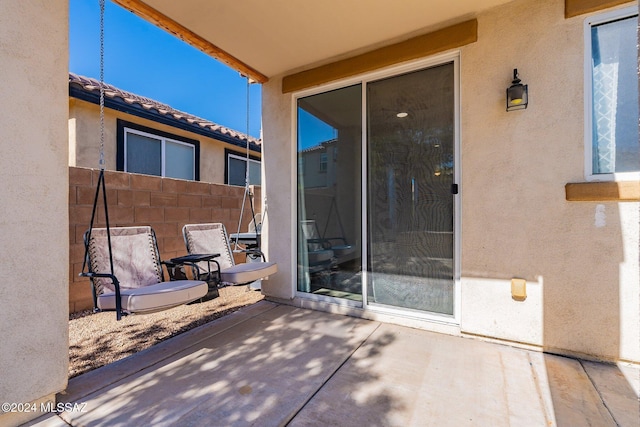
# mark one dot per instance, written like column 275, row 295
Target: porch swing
column 213, row 238
column 124, row 263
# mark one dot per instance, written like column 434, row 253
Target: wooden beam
column 625, row 191
column 579, row 7
column 150, row 14
column 418, row 47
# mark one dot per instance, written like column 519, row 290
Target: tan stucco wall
column 516, row 221
column 84, row 140
column 33, row 201
column 278, row 166
column 582, row 279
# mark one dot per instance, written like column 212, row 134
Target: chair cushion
column 156, row 297
column 343, row 250
column 248, row 272
column 135, row 258
column 317, row 257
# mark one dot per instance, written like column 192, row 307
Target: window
column 236, row 169
column 611, row 105
column 323, row 162
column 147, row 151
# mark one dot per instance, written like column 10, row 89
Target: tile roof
column 320, row 146
column 91, row 85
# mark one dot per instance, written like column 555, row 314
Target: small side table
column 176, row 272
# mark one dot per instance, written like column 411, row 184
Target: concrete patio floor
column 272, row 365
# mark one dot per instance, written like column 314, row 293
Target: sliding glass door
column 405, row 127
column 410, row 173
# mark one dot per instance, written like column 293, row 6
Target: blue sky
column 143, row 59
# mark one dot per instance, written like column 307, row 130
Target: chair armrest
column 116, row 286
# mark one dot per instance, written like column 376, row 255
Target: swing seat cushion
column 159, row 296
column 320, row 256
column 248, row 272
column 342, row 250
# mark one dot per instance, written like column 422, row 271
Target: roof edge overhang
column 155, row 17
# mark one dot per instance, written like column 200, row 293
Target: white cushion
column 319, row 256
column 156, row 297
column 248, row 272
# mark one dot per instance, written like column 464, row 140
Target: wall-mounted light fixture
column 517, row 94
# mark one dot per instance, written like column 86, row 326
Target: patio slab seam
column 601, row 395
column 328, row 378
column 548, row 412
column 598, row 392
column 97, row 379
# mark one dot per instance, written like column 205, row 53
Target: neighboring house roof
column 320, row 146
column 88, row 89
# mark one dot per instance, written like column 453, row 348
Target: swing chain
column 102, row 161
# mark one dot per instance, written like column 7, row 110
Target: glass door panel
column 329, row 193
column 410, row 161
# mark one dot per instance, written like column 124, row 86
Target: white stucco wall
column 582, row 279
column 84, row 140
column 33, row 201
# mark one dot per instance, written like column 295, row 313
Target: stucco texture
column 515, row 220
column 278, row 159
column 33, row 200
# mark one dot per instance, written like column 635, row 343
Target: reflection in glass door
column 410, row 172
column 329, row 194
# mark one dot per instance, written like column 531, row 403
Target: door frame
column 364, row 79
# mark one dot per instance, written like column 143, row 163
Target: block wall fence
column 163, row 203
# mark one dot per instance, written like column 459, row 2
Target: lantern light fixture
column 517, row 94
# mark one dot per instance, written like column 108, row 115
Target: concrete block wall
column 163, row 203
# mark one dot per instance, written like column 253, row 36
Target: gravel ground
column 97, row 339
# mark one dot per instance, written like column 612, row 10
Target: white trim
column 452, row 56
column 343, row 302
column 364, row 197
column 589, row 22
column 294, row 195
column 243, row 159
column 446, row 319
column 162, row 140
column 457, row 199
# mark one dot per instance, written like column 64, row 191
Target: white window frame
column 244, row 159
column 163, row 140
column 324, row 162
column 590, row 22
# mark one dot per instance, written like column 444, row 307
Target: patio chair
column 136, row 284
column 317, row 245
column 213, row 238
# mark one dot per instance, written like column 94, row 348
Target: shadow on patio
column 271, row 364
